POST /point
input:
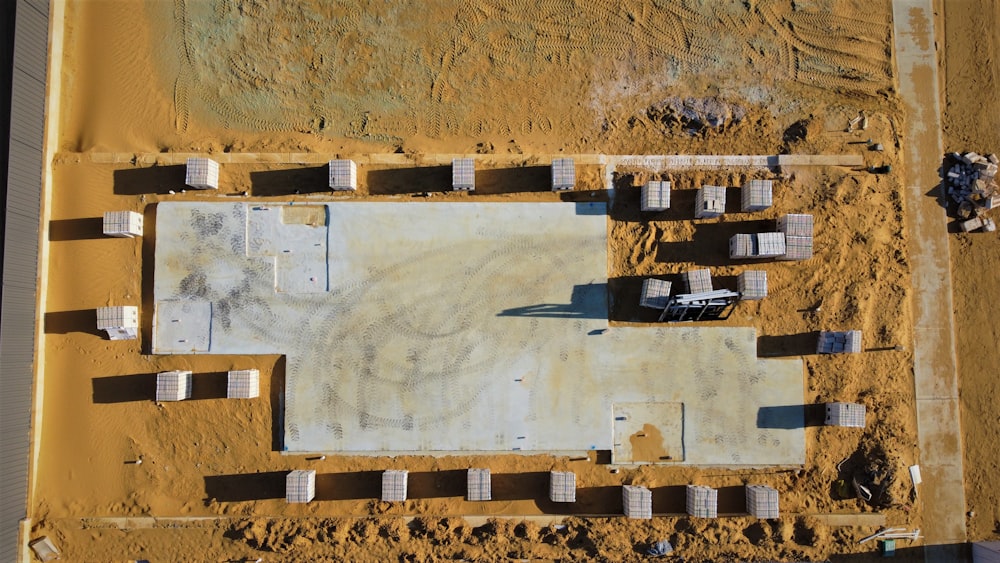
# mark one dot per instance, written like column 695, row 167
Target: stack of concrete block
column 709, row 202
column 846, row 342
column 637, row 502
column 698, row 281
column 563, row 174
column 656, row 196
column 394, row 485
column 798, row 231
column 300, row 486
column 343, row 175
column 173, row 386
column 762, row 501
column 770, row 245
column 202, row 174
column 752, row 284
column 120, row 322
column 702, row 502
column 478, row 485
column 757, row 195
column 562, row 486
column 463, row 174
column 655, row 293
column 123, row 224
column 743, row 246
column 851, row 415
column 243, row 384
column 971, row 181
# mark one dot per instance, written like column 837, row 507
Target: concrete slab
column 934, row 363
column 648, row 433
column 466, row 327
column 182, row 327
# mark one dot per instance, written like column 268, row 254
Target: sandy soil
column 502, row 77
column 972, row 75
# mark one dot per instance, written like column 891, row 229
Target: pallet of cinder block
column 756, row 195
column 796, row 225
column 709, row 202
column 563, row 174
column 655, row 293
column 698, row 281
column 770, row 245
column 797, row 248
column 655, row 196
column 742, row 246
column 752, row 284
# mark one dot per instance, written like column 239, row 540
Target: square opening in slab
column 648, row 433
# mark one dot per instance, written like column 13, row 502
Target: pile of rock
column 971, row 181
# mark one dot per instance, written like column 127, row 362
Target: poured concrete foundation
column 473, row 327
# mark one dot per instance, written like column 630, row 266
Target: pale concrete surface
column 942, row 492
column 465, row 327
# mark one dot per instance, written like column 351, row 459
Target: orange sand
column 495, row 78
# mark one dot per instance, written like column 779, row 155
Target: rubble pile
column 971, row 182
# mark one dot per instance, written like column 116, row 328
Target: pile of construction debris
column 971, row 182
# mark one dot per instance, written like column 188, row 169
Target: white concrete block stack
column 655, row 293
column 123, row 224
column 770, row 245
column 762, row 501
column 743, row 246
column 757, row 195
column 752, row 284
column 479, row 485
column 702, row 502
column 698, row 281
column 463, row 174
column 971, row 180
column 563, row 174
column 343, row 175
column 798, row 231
column 202, row 174
column 709, row 202
column 562, row 486
column 173, row 386
column 655, row 196
column 637, row 502
column 300, row 486
column 394, row 485
column 120, row 322
column 243, row 384
column 851, row 415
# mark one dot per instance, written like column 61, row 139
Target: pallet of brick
column 844, row 342
column 563, row 174
column 463, row 174
column 119, row 322
column 202, row 174
column 752, row 284
column 122, row 224
column 709, row 202
column 756, row 195
column 562, row 486
column 698, row 281
column 637, row 502
column 851, row 415
column 797, row 248
column 742, row 246
column 796, row 225
column 300, row 486
column 478, row 485
column 655, row 293
column 343, row 175
column 173, row 385
column 770, row 245
column 702, row 502
column 762, row 501
column 655, row 196
column 243, row 384
column 394, row 485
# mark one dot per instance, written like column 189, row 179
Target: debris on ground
column 970, row 181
